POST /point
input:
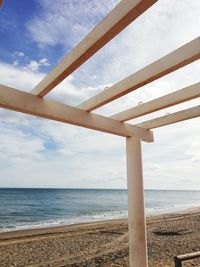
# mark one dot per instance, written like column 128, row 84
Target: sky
column 34, row 36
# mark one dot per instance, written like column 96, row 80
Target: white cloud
column 22, row 60
column 34, row 65
column 18, row 77
column 172, row 161
column 66, row 22
column 17, row 146
column 18, row 54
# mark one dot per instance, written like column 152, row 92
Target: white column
column 136, row 211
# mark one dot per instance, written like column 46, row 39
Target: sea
column 36, row 208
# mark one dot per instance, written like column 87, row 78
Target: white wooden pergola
column 35, row 104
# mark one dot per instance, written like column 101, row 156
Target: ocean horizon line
column 90, row 188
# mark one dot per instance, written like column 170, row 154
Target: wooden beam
column 173, row 61
column 180, row 96
column 183, row 115
column 16, row 100
column 118, row 19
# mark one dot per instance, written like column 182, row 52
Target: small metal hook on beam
column 140, row 103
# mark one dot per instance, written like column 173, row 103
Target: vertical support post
column 136, row 210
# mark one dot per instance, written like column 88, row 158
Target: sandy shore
column 101, row 243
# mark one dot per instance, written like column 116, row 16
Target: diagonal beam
column 165, row 65
column 183, row 115
column 28, row 103
column 180, row 96
column 118, row 19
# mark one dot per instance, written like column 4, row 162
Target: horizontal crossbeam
column 30, row 104
column 180, row 96
column 119, row 18
column 183, row 115
column 165, row 65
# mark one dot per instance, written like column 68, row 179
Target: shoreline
column 177, row 212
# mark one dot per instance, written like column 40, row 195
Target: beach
column 102, row 243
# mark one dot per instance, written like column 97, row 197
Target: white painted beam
column 28, row 103
column 177, row 97
column 182, row 115
column 118, row 19
column 136, row 211
column 165, row 65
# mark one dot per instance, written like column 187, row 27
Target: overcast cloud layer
column 41, row 153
